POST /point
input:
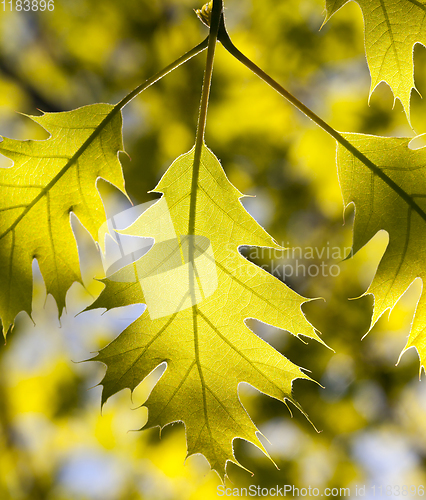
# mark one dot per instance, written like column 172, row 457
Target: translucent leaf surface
column 50, row 179
column 196, row 312
column 392, row 27
column 395, row 202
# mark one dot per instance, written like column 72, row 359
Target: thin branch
column 108, row 118
column 168, row 69
column 223, row 37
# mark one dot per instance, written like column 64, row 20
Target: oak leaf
column 390, row 198
column 48, row 180
column 197, row 305
column 392, row 28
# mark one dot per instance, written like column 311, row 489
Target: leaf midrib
column 379, row 172
column 388, row 24
column 65, row 168
column 115, row 110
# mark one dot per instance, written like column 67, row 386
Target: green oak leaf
column 196, row 312
column 392, row 28
column 48, row 180
column 394, row 199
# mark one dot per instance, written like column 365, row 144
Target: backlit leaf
column 392, row 27
column 196, row 312
column 48, row 180
column 395, row 202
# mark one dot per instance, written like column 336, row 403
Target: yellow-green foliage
column 395, row 203
column 392, row 28
column 203, row 338
column 48, row 181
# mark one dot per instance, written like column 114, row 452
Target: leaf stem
column 108, row 118
column 202, row 117
column 168, row 69
column 225, row 40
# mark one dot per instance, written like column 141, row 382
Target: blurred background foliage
column 55, row 443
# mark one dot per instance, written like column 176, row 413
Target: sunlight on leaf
column 48, row 181
column 200, row 332
column 392, row 27
column 399, row 207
